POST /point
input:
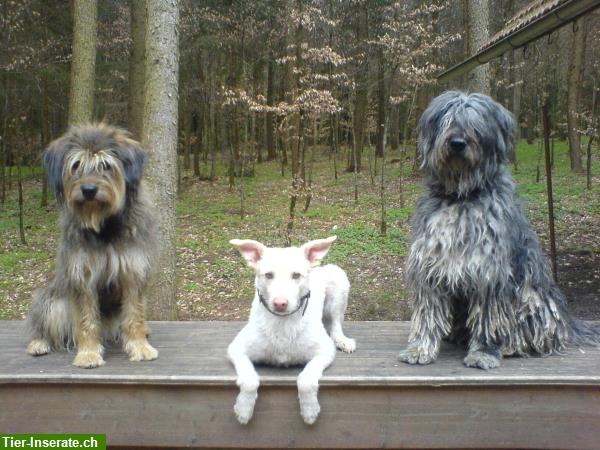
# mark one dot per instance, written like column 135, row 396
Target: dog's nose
column 457, row 145
column 280, row 304
column 89, row 191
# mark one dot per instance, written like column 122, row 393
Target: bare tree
column 478, row 29
column 136, row 66
column 83, row 64
column 271, row 150
column 159, row 138
column 362, row 90
column 576, row 64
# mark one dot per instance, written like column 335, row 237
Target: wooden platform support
column 368, row 399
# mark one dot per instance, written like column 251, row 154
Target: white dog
column 294, row 302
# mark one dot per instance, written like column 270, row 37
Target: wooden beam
column 368, row 399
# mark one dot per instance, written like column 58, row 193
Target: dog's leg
column 334, row 309
column 38, row 319
column 431, row 322
column 308, row 382
column 338, row 308
column 133, row 326
column 247, row 380
column 48, row 321
column 486, row 327
column 87, row 331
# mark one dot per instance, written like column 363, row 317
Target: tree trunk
column 83, row 64
column 214, row 142
column 45, row 135
column 594, row 125
column 135, row 106
column 394, row 127
column 381, row 105
column 159, row 138
column 21, row 205
column 199, row 147
column 187, row 143
column 361, row 100
column 298, row 147
column 271, row 149
column 576, row 64
column 4, row 142
column 478, row 29
column 517, row 76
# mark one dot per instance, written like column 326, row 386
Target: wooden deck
column 368, row 399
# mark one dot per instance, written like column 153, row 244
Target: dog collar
column 303, row 303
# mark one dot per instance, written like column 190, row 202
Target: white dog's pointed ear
column 252, row 251
column 316, row 250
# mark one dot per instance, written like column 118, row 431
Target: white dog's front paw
column 244, row 406
column 308, row 389
column 310, row 411
column 345, row 344
column 243, row 411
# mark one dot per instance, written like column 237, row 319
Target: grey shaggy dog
column 105, row 252
column 475, row 265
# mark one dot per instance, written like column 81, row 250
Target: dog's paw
column 244, row 411
column 308, row 389
column 140, row 351
column 481, row 360
column 88, row 360
column 38, row 347
column 414, row 354
column 345, row 344
column 310, row 411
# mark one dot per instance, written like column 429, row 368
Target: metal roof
column 539, row 18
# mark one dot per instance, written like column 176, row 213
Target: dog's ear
column 133, row 158
column 506, row 129
column 252, row 251
column 499, row 125
column 316, row 250
column 507, row 126
column 53, row 161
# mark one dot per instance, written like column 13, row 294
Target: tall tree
column 83, row 64
column 575, row 77
column 478, row 31
column 135, row 104
column 382, row 104
column 359, row 116
column 271, row 150
column 159, row 138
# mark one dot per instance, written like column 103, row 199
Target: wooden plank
column 195, row 352
column 366, row 417
column 368, row 399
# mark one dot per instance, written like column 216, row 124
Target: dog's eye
column 296, row 276
column 75, row 166
column 269, row 275
column 105, row 166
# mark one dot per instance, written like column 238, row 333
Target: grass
column 213, row 281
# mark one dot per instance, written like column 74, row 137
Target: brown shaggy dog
column 105, row 254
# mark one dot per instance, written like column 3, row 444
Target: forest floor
column 215, row 284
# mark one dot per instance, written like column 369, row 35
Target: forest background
column 285, row 121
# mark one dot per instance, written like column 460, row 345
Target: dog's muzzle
column 303, row 304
